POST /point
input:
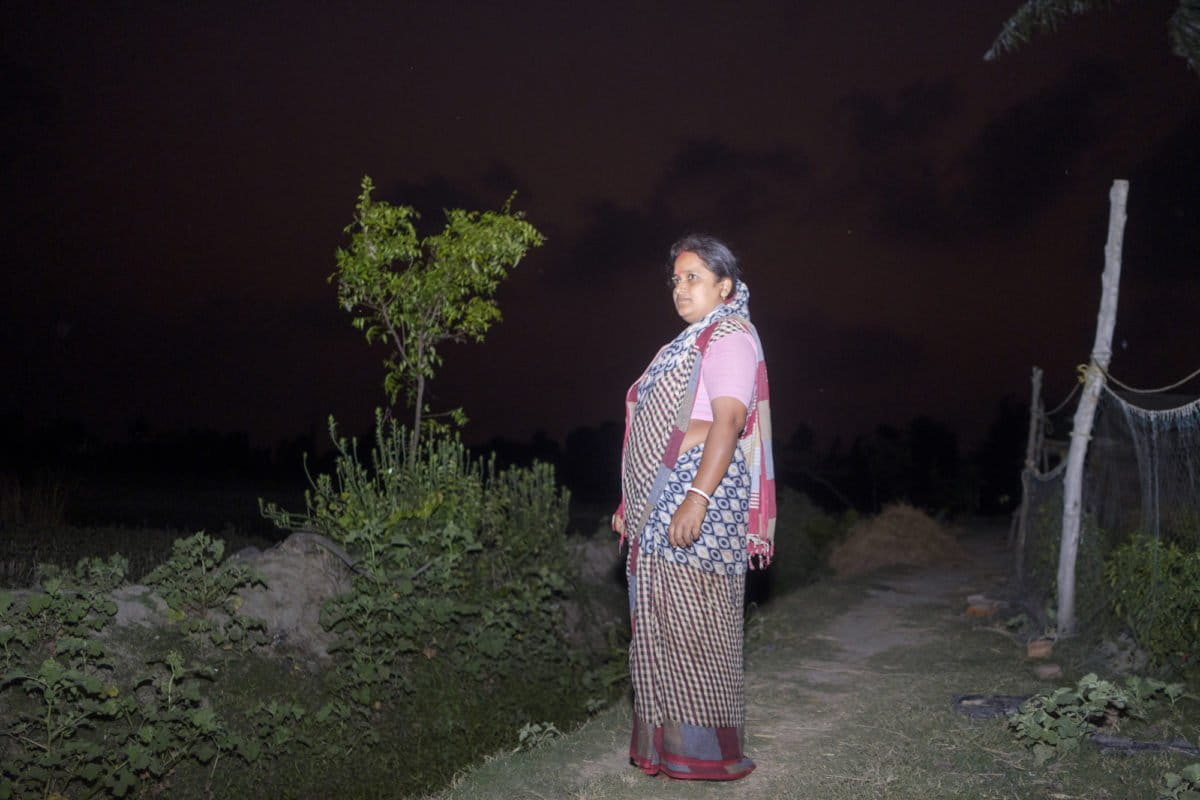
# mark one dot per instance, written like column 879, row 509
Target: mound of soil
column 900, row 534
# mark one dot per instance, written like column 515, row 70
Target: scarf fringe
column 759, row 552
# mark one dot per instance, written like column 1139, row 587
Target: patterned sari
column 685, row 657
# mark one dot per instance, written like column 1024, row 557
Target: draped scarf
column 658, row 408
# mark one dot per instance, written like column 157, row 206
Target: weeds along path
column 833, row 677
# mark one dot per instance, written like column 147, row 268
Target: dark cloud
column 502, row 179
column 1022, row 161
column 431, row 195
column 1160, row 273
column 897, row 140
column 707, row 186
column 917, row 110
column 130, row 357
column 715, row 186
column 846, row 352
column 1164, row 206
column 1019, row 164
column 832, row 374
column 184, row 172
column 899, row 157
column 618, row 241
column 910, row 201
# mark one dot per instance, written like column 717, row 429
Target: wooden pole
column 1086, row 412
column 1031, row 448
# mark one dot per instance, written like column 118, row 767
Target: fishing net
column 1141, row 484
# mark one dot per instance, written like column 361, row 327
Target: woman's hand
column 618, row 524
column 729, row 417
column 685, row 522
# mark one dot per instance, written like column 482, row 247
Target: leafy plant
column 1156, row 593
column 535, row 734
column 85, row 731
column 195, row 579
column 200, row 589
column 1054, row 723
column 459, row 571
column 77, row 727
column 70, row 722
column 415, row 293
column 1182, row 785
column 278, row 728
column 173, row 723
column 47, row 755
column 74, row 604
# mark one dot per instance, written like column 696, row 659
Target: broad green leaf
column 250, row 750
column 204, row 718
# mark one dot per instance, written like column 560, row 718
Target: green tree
column 1043, row 16
column 415, row 293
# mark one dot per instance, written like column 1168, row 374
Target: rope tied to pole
column 1063, row 404
column 1085, row 371
column 1159, row 390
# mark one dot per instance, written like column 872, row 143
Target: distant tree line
column 920, row 463
column 69, row 446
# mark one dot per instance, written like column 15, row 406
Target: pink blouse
column 727, row 370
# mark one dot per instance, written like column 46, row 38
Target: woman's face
column 696, row 289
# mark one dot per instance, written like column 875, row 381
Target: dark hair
column 715, row 254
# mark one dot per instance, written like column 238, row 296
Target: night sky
column 918, row 228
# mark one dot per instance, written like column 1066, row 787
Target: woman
column 698, row 504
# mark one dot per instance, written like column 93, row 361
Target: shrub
column 1156, row 593
column 460, row 569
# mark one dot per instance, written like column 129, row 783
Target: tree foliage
column 1045, row 16
column 414, row 293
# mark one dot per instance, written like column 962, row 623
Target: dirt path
column 805, row 696
column 816, row 660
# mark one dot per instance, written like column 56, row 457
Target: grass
column 829, row 719
column 418, row 740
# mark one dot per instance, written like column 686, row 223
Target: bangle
column 707, row 497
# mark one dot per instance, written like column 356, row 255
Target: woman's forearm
column 729, row 416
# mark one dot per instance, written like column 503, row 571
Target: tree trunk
column 1086, row 411
column 416, row 431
